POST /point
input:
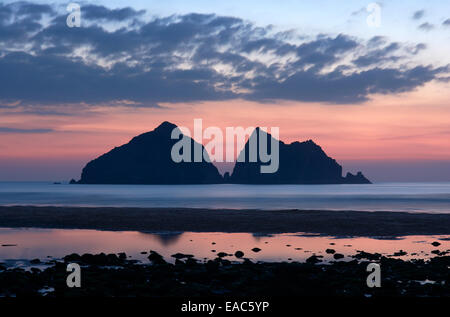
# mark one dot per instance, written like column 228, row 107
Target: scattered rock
column 191, row 262
column 366, row 255
column 239, row 254
column 256, row 250
column 400, row 253
column 156, row 258
column 74, row 257
column 190, row 277
column 330, row 251
column 182, row 256
column 440, row 253
column 435, row 244
column 313, row 259
column 338, row 256
column 178, row 262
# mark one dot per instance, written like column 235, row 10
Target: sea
column 407, row 197
column 18, row 246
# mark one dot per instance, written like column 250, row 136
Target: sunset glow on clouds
column 69, row 95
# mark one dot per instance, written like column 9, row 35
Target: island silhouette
column 146, row 159
column 299, row 163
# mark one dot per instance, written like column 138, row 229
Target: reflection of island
column 146, row 159
column 165, row 239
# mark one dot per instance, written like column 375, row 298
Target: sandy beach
column 338, row 223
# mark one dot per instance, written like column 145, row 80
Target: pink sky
column 406, row 127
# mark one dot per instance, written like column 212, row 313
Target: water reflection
column 165, row 238
column 56, row 243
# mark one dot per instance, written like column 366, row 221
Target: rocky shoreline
column 115, row 275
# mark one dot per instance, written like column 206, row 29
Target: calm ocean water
column 412, row 197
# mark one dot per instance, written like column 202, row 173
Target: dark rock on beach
column 156, row 258
column 182, row 256
column 368, row 256
column 222, row 277
column 313, row 259
column 338, row 256
column 400, row 253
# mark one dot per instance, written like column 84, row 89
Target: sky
column 372, row 90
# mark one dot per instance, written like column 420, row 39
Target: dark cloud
column 324, row 51
column 21, row 19
column 53, row 79
column 446, row 22
column 342, row 88
column 186, row 58
column 418, row 15
column 22, row 131
column 426, row 26
column 417, row 48
column 95, row 12
column 377, row 41
column 379, row 55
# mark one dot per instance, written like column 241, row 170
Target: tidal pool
column 18, row 246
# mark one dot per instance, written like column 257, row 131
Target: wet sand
column 337, row 223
